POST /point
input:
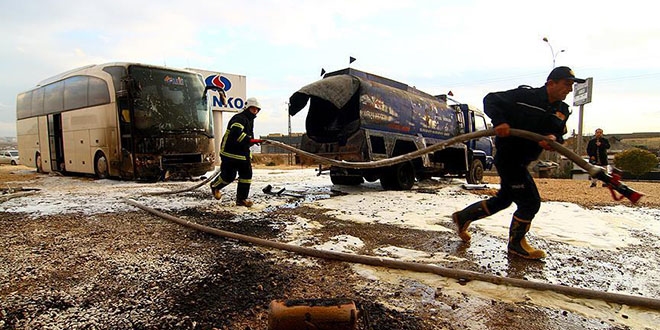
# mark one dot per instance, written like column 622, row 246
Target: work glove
column 545, row 145
column 502, row 130
column 256, row 141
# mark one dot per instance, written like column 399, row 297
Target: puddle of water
column 634, row 317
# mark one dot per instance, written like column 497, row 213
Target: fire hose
column 459, row 274
column 412, row 266
column 613, row 181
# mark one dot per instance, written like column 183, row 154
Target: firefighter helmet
column 252, row 102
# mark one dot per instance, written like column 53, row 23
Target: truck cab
column 472, row 119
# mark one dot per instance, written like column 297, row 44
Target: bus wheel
column 476, row 173
column 398, row 177
column 38, row 164
column 101, row 166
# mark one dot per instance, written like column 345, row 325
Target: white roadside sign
column 233, row 85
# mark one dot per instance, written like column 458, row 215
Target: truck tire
column 476, row 173
column 371, row 177
column 398, row 177
column 346, row 180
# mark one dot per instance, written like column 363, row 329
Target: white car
column 9, row 157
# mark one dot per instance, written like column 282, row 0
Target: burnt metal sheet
column 337, row 90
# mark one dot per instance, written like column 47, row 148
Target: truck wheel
column 398, row 177
column 423, row 176
column 476, row 173
column 13, row 162
column 346, row 180
column 371, row 177
column 101, row 166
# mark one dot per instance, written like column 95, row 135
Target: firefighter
column 538, row 110
column 235, row 153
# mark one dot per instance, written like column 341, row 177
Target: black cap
column 563, row 72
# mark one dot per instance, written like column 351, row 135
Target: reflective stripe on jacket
column 236, row 141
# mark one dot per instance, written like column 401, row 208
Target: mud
column 122, row 268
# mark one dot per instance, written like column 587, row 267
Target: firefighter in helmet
column 235, row 153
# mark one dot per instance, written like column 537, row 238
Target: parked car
column 9, row 157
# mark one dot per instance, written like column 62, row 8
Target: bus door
column 124, row 106
column 122, row 87
column 55, row 142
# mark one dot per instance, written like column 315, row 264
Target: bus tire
column 398, row 177
column 476, row 173
column 101, row 165
column 38, row 164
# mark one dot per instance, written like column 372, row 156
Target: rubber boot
column 242, row 192
column 463, row 218
column 518, row 244
column 216, row 185
column 244, row 202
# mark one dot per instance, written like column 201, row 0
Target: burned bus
column 122, row 120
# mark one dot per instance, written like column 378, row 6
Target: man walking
column 597, row 151
column 539, row 110
column 235, row 153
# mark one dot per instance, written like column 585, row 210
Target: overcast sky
column 468, row 47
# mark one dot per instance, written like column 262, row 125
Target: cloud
column 470, row 47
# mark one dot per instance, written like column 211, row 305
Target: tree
column 636, row 161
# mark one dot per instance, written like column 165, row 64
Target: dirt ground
column 133, row 270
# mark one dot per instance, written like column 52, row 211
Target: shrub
column 636, row 161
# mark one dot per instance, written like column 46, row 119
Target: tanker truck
column 361, row 117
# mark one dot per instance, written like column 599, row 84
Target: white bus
column 122, row 120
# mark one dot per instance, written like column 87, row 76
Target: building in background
column 293, row 140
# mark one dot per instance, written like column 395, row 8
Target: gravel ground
column 127, row 269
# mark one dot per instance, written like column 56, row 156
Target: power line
column 639, row 76
column 499, row 79
column 536, row 74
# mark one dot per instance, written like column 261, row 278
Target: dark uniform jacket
column 599, row 153
column 528, row 109
column 236, row 141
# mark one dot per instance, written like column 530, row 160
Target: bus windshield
column 169, row 101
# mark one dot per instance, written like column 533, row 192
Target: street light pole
column 552, row 52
